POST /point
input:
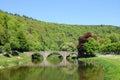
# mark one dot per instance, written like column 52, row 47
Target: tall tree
column 83, row 46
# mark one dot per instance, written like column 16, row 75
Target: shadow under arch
column 37, row 58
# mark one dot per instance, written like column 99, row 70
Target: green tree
column 68, row 47
column 91, row 47
column 114, row 37
column 7, row 48
column 14, row 43
column 23, row 41
column 24, row 33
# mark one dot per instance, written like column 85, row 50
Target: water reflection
column 90, row 71
column 39, row 73
column 83, row 71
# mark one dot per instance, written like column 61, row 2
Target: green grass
column 54, row 58
column 110, row 63
column 13, row 60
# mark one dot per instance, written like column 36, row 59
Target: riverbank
column 13, row 60
column 110, row 63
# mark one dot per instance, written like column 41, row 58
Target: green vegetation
column 37, row 58
column 54, row 58
column 110, row 63
column 72, row 58
column 23, row 33
column 21, row 73
column 68, row 47
column 90, row 71
column 13, row 60
column 91, row 47
column 87, row 45
column 39, row 73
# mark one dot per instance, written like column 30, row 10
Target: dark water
column 82, row 71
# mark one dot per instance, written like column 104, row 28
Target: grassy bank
column 13, row 60
column 110, row 63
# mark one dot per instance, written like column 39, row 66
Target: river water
column 82, row 71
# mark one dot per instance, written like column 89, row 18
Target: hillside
column 27, row 34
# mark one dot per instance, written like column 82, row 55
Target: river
column 82, row 71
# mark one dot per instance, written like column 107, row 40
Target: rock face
column 82, row 40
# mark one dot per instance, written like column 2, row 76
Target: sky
column 76, row 12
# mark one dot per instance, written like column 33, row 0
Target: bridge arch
column 45, row 54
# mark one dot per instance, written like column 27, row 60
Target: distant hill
column 27, row 34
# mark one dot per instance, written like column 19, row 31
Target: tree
column 14, row 43
column 23, row 42
column 111, row 48
column 68, row 47
column 24, row 33
column 90, row 47
column 86, row 46
column 7, row 49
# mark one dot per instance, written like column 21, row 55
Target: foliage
column 68, row 47
column 7, row 48
column 112, row 47
column 87, row 45
column 91, row 47
column 72, row 58
column 27, row 34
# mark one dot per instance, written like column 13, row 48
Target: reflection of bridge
column 45, row 54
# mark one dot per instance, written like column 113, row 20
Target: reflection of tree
column 89, row 71
column 21, row 73
column 69, row 69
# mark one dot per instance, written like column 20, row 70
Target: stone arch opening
column 54, row 58
column 37, row 58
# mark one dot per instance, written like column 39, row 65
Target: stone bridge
column 45, row 54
